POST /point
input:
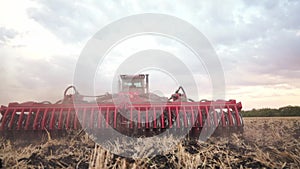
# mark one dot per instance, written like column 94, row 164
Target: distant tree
column 268, row 112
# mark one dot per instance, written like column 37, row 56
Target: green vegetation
column 267, row 112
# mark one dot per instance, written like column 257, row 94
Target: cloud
column 68, row 20
column 36, row 79
column 257, row 43
column 6, row 35
column 277, row 54
column 75, row 21
column 263, row 47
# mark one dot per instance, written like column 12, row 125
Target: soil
column 265, row 143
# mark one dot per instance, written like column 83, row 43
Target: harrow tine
column 4, row 119
column 185, row 119
column 28, row 119
column 162, row 118
column 131, row 118
column 200, row 116
column 76, row 118
column 154, row 118
column 237, row 116
column 207, row 116
column 11, row 122
column 99, row 118
column 52, row 119
column 68, row 119
column 91, row 124
column 115, row 117
column 60, row 118
column 222, row 117
column 177, row 117
column 170, row 117
column 20, row 120
column 35, row 122
column 147, row 118
column 43, row 125
column 83, row 123
column 193, row 117
column 139, row 117
column 215, row 117
column 229, row 116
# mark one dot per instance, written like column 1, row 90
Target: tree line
column 268, row 112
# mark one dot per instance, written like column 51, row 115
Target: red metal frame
column 37, row 116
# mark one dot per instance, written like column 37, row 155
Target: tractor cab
column 134, row 83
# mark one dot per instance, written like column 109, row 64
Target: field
column 265, row 143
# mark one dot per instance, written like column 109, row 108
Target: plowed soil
column 265, row 143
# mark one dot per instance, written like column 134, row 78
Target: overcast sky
column 258, row 44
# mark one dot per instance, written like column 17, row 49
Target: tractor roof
column 139, row 76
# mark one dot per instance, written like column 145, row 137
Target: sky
column 257, row 42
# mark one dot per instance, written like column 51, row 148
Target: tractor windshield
column 132, row 84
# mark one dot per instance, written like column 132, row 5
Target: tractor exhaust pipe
column 147, row 83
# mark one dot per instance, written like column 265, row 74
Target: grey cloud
column 258, row 37
column 223, row 25
column 239, row 22
column 6, row 34
column 68, row 20
column 279, row 52
column 54, row 72
column 265, row 3
column 25, row 79
column 75, row 21
column 36, row 79
column 276, row 60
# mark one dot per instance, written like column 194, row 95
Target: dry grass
column 266, row 143
column 70, row 152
